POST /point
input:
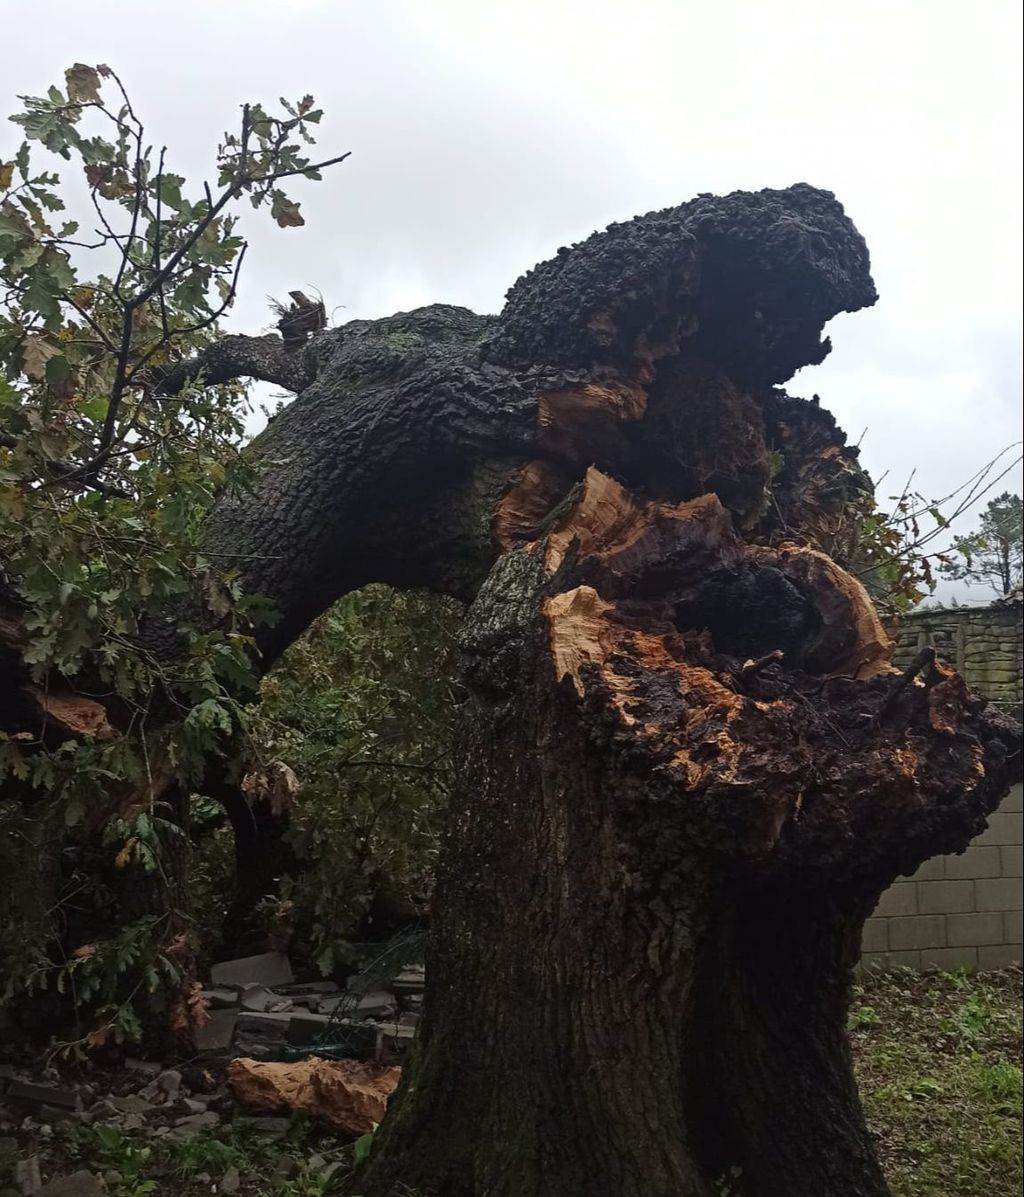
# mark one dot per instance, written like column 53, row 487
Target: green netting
column 342, row 1036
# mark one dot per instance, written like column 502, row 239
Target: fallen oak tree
column 686, row 771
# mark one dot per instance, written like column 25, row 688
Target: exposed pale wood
column 71, row 714
column 575, row 423
column 852, row 640
column 535, row 488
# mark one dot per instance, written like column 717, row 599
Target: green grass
column 271, row 1168
column 938, row 1058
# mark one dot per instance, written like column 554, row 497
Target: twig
column 752, row 668
column 924, row 660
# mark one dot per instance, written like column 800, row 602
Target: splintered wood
column 573, row 424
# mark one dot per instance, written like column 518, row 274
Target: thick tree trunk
column 657, row 868
column 771, row 1090
column 550, row 1059
column 262, row 858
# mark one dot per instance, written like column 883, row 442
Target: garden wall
column 962, row 910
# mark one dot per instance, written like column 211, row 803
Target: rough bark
column 686, row 768
column 268, row 358
column 262, row 857
column 659, row 859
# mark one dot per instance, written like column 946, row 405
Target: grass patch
column 938, row 1059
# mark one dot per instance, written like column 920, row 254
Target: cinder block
column 907, row 933
column 1011, row 860
column 965, row 930
column 901, row 960
column 931, row 870
column 977, row 861
column 1003, row 828
column 1014, row 801
column 1003, row 955
column 871, row 962
column 999, row 893
column 876, row 936
column 900, row 898
column 949, row 958
column 270, row 968
column 945, row 897
column 1013, row 926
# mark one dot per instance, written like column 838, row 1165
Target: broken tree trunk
column 658, row 864
column 686, row 769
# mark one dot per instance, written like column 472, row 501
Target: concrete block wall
column 957, row 911
column 984, row 643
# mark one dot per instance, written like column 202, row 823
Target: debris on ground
column 350, row 1094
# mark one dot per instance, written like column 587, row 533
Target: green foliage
column 361, row 709
column 135, row 1165
column 994, row 554
column 901, row 542
column 105, row 481
column 128, row 1159
column 892, row 558
column 863, row 1017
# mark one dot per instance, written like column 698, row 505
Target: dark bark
column 770, row 1085
column 268, row 358
column 651, row 896
column 549, row 1059
column 621, row 352
column 262, row 858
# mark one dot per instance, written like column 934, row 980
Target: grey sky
column 484, row 136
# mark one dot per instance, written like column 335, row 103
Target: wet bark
column 644, row 941
column 549, row 1059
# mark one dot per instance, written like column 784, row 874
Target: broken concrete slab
column 230, row 1182
column 221, row 997
column 378, row 1004
column 192, row 1124
column 306, row 1028
column 410, row 980
column 298, row 988
column 216, row 1036
column 26, row 1093
column 260, row 1035
column 360, row 1040
column 26, row 1175
column 131, row 1103
column 395, row 1036
column 271, row 968
column 258, row 999
column 53, row 1114
column 78, row 1184
column 271, row 1128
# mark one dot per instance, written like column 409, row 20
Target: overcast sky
column 486, row 135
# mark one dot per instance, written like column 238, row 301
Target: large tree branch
column 237, row 356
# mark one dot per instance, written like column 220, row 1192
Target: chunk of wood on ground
column 348, row 1094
